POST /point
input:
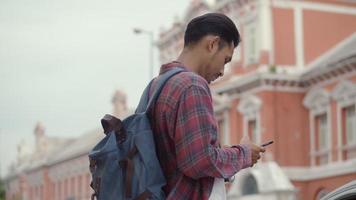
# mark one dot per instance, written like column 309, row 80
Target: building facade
column 291, row 80
column 57, row 168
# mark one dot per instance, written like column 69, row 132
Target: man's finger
column 262, row 149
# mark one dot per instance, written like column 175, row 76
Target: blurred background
column 64, row 64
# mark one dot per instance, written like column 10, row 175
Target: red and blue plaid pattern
column 185, row 132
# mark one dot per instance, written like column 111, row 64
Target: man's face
column 219, row 58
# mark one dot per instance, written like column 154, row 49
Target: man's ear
column 213, row 43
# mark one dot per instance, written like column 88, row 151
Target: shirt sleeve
column 195, row 136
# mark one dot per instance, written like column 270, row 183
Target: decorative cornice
column 320, row 74
column 344, row 91
column 316, row 99
column 221, row 103
column 249, row 104
column 300, row 80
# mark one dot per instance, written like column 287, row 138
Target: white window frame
column 225, row 137
column 250, row 108
column 236, row 57
column 317, row 101
column 321, row 141
column 322, row 149
column 248, row 37
column 251, row 21
column 345, row 96
column 227, row 128
column 353, row 124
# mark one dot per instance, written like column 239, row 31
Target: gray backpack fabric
column 124, row 164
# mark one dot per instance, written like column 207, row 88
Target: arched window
column 250, row 107
column 344, row 94
column 250, row 186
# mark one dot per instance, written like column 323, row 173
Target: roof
column 59, row 150
column 343, row 50
column 37, row 159
column 80, row 146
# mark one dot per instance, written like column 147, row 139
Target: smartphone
column 267, row 143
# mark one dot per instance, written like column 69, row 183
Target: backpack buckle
column 120, row 136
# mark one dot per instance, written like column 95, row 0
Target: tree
column 2, row 189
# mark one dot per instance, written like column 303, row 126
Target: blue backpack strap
column 145, row 101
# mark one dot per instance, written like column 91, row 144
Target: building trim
column 345, row 95
column 255, row 80
column 251, row 22
column 329, row 121
column 342, row 69
column 226, row 127
column 298, row 37
column 335, row 79
column 268, row 88
column 221, row 103
column 318, row 102
column 250, row 107
column 312, row 137
column 323, row 7
column 321, row 172
column 265, row 19
column 339, row 132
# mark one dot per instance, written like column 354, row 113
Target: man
column 183, row 122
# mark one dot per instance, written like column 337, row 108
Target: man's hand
column 256, row 150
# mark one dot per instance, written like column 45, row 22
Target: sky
column 62, row 60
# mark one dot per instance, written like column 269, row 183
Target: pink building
column 292, row 80
column 57, row 168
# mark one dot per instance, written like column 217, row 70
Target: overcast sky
column 61, row 61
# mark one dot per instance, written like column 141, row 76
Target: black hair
column 211, row 24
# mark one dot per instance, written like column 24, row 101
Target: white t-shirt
column 218, row 192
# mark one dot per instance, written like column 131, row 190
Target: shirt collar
column 168, row 66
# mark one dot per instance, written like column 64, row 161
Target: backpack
column 124, row 163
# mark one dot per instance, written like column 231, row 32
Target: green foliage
column 273, row 69
column 2, row 189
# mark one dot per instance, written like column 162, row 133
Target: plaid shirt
column 185, row 133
